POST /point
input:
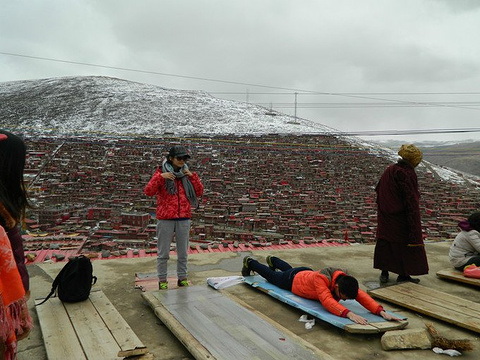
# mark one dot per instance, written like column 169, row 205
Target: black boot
column 405, row 278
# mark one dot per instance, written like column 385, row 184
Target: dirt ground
column 116, row 279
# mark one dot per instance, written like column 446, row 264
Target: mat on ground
column 376, row 324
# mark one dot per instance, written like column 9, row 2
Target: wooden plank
column 195, row 348
column 95, row 337
column 320, row 354
column 430, row 296
column 223, row 327
column 451, row 302
column 375, row 327
column 436, row 304
column 455, row 275
column 91, row 329
column 127, row 340
column 316, row 309
column 60, row 339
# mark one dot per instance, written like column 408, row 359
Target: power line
column 350, row 95
column 289, row 105
column 96, row 134
column 344, row 93
column 409, row 132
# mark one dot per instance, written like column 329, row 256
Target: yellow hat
column 411, row 154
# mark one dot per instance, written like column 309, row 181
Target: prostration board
column 213, row 326
column 87, row 330
column 434, row 303
column 376, row 324
column 455, row 275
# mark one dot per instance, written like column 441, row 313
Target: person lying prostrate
column 328, row 286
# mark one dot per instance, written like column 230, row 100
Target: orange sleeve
column 368, row 303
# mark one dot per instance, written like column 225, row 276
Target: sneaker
column 245, row 270
column 384, row 277
column 269, row 261
column 182, row 283
column 162, row 285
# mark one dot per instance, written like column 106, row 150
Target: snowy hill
column 103, row 105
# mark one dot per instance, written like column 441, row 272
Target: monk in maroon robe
column 399, row 248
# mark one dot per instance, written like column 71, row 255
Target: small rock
column 31, row 257
column 59, row 257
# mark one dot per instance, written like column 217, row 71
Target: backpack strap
column 54, row 286
column 48, row 297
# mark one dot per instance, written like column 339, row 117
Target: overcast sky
column 369, row 65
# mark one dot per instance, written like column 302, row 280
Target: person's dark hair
column 12, row 163
column 348, row 286
column 474, row 221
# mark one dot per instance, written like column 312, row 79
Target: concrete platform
column 116, row 279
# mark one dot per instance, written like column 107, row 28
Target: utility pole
column 295, row 106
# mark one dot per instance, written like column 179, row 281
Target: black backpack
column 74, row 282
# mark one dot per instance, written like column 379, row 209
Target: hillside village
column 259, row 191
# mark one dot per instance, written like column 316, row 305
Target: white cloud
column 343, row 46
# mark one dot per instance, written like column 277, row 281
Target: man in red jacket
column 328, row 286
column 177, row 190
